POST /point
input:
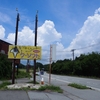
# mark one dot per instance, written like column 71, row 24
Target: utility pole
column 73, row 53
column 36, row 20
column 16, row 34
column 73, row 60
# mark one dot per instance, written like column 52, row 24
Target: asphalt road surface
column 63, row 80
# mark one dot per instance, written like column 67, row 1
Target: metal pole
column 27, row 68
column 73, row 53
column 34, row 78
column 13, row 73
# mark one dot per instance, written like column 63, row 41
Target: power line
column 87, row 46
column 56, row 51
column 77, row 48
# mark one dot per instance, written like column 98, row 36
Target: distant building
column 4, row 47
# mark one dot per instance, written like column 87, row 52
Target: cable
column 76, row 49
column 56, row 51
column 87, row 46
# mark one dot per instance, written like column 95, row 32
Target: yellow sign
column 24, row 52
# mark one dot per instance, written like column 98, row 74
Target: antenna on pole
column 17, row 9
column 37, row 12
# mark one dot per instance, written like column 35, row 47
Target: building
column 4, row 47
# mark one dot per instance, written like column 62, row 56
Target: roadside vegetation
column 51, row 88
column 78, row 86
column 48, row 88
column 4, row 84
column 5, row 67
column 23, row 74
column 86, row 65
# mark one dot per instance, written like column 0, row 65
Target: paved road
column 73, row 93
column 62, row 80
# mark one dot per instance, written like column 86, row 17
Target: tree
column 85, row 65
column 39, row 65
column 5, row 67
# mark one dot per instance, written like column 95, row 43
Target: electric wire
column 76, row 48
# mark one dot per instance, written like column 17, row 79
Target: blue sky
column 70, row 24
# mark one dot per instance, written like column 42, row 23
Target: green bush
column 23, row 74
column 5, row 67
column 4, row 84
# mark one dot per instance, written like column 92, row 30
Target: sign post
column 52, row 58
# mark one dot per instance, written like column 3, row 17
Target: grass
column 45, row 88
column 24, row 70
column 51, row 87
column 78, row 86
column 23, row 74
column 4, row 84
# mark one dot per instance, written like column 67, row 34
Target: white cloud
column 61, row 53
column 11, row 38
column 26, row 36
column 88, row 35
column 2, row 32
column 97, row 11
column 47, row 34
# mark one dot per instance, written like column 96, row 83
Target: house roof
column 5, row 42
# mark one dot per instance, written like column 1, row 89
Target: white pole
column 50, row 65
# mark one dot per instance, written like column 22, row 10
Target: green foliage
column 46, row 67
column 51, row 87
column 84, row 65
column 4, row 84
column 22, row 66
column 78, row 86
column 39, row 65
column 23, row 74
column 5, row 67
column 62, row 67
